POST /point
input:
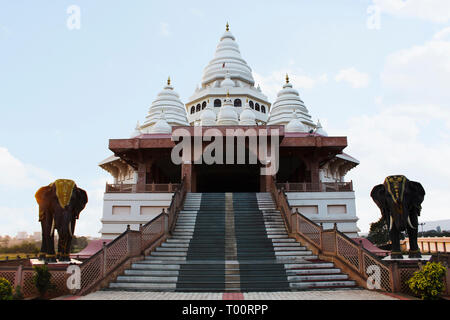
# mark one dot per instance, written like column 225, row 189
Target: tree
column 378, row 233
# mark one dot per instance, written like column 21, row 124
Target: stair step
column 192, row 259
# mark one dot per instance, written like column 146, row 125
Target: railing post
column 141, row 238
column 166, row 222
column 104, row 260
column 335, row 239
column 294, row 221
column 395, row 277
column 360, row 258
column 18, row 278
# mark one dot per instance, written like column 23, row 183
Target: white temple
column 228, row 97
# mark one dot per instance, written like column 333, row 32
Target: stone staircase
column 230, row 242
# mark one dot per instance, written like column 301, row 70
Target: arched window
column 217, row 103
column 257, row 106
column 193, row 110
column 263, row 109
column 203, row 105
column 237, row 103
column 199, row 107
column 251, row 105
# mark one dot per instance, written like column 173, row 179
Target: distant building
column 22, row 235
column 36, row 236
column 429, row 244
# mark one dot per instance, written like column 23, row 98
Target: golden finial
column 287, row 78
column 168, row 81
column 228, row 93
column 228, row 27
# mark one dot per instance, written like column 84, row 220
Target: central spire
column 227, row 27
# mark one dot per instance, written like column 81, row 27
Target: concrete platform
column 347, row 294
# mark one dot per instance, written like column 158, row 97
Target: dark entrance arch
column 227, row 178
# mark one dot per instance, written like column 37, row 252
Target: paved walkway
column 358, row 294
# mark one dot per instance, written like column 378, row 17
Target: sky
column 74, row 74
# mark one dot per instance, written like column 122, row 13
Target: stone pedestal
column 406, row 259
column 403, row 269
column 37, row 262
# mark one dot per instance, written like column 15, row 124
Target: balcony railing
column 146, row 188
column 316, row 187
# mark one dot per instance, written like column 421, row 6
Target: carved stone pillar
column 186, row 172
column 142, row 170
column 314, row 168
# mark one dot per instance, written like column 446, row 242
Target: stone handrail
column 103, row 265
column 332, row 245
column 146, row 188
column 316, row 187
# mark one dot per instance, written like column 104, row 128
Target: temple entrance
column 228, row 178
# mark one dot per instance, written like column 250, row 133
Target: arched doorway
column 227, row 178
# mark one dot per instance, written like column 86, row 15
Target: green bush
column 5, row 289
column 41, row 279
column 18, row 295
column 428, row 282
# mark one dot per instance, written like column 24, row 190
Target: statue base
column 406, row 259
column 37, row 262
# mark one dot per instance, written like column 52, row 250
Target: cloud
column 437, row 11
column 90, row 218
column 164, row 29
column 19, row 210
column 392, row 142
column 422, row 71
column 271, row 84
column 15, row 219
column 409, row 132
column 354, row 77
column 18, row 175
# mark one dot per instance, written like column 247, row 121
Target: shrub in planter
column 41, row 279
column 18, row 295
column 428, row 282
column 5, row 289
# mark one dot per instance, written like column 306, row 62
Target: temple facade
column 297, row 153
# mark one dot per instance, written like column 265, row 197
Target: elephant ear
column 378, row 196
column 416, row 194
column 43, row 198
column 82, row 199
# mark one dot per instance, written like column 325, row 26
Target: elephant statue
column 60, row 204
column 399, row 200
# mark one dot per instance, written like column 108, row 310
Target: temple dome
column 295, row 125
column 320, row 130
column 174, row 109
column 247, row 117
column 227, row 55
column 137, row 131
column 227, row 115
column 208, row 117
column 288, row 100
column 227, row 83
column 161, row 126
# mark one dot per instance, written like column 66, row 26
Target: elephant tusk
column 410, row 224
column 52, row 231
column 391, row 223
column 70, row 229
